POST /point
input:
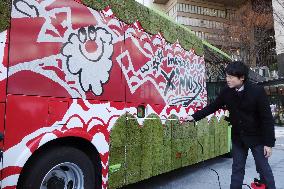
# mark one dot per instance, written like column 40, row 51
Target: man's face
column 234, row 81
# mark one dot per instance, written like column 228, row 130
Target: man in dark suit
column 252, row 123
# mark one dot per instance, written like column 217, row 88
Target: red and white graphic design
column 3, row 64
column 95, row 68
column 90, row 50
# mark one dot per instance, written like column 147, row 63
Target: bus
column 93, row 95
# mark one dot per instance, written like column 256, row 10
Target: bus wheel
column 58, row 168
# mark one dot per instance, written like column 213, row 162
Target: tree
column 251, row 31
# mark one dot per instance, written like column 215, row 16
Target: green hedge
column 152, row 144
column 138, row 153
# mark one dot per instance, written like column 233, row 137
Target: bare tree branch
column 253, row 29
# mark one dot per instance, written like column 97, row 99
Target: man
column 252, row 123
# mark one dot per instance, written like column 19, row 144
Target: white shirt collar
column 240, row 89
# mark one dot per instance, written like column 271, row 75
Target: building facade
column 243, row 29
column 208, row 19
column 278, row 13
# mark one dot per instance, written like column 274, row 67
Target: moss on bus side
column 138, row 153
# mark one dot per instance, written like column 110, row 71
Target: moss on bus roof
column 152, row 21
column 129, row 11
column 4, row 14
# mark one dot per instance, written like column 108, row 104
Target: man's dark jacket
column 250, row 114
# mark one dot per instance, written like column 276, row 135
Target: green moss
column 5, row 14
column 146, row 169
column 157, row 160
column 152, row 138
column 192, row 154
column 162, row 148
column 118, row 132
column 189, row 156
column 211, row 129
column 189, row 130
column 200, row 149
column 212, row 146
column 223, row 135
column 126, row 150
column 158, row 130
column 202, row 127
column 203, row 138
column 177, row 128
column 118, row 153
column 185, row 153
column 133, row 163
column 152, row 130
column 167, row 131
column 167, row 155
column 206, row 148
column 177, row 152
column 133, row 131
column 117, row 175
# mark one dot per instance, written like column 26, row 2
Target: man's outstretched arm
column 217, row 104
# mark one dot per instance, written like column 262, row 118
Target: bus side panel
column 3, row 82
column 32, row 121
column 46, row 51
column 3, row 64
column 2, row 117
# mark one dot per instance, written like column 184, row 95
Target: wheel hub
column 63, row 176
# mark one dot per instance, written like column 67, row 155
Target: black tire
column 34, row 174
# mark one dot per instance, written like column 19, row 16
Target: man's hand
column 189, row 118
column 267, row 151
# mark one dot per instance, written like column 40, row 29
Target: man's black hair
column 238, row 69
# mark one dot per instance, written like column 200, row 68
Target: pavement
column 200, row 176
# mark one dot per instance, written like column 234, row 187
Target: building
column 278, row 13
column 243, row 29
column 207, row 18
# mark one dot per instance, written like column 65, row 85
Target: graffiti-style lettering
column 169, row 81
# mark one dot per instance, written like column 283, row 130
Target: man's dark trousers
column 240, row 153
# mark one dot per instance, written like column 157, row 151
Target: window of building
column 210, row 12
column 206, row 11
column 219, row 13
column 193, row 9
column 182, row 7
column 201, row 10
column 200, row 23
column 214, row 24
column 223, row 14
column 189, row 8
column 198, row 10
column 179, row 7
